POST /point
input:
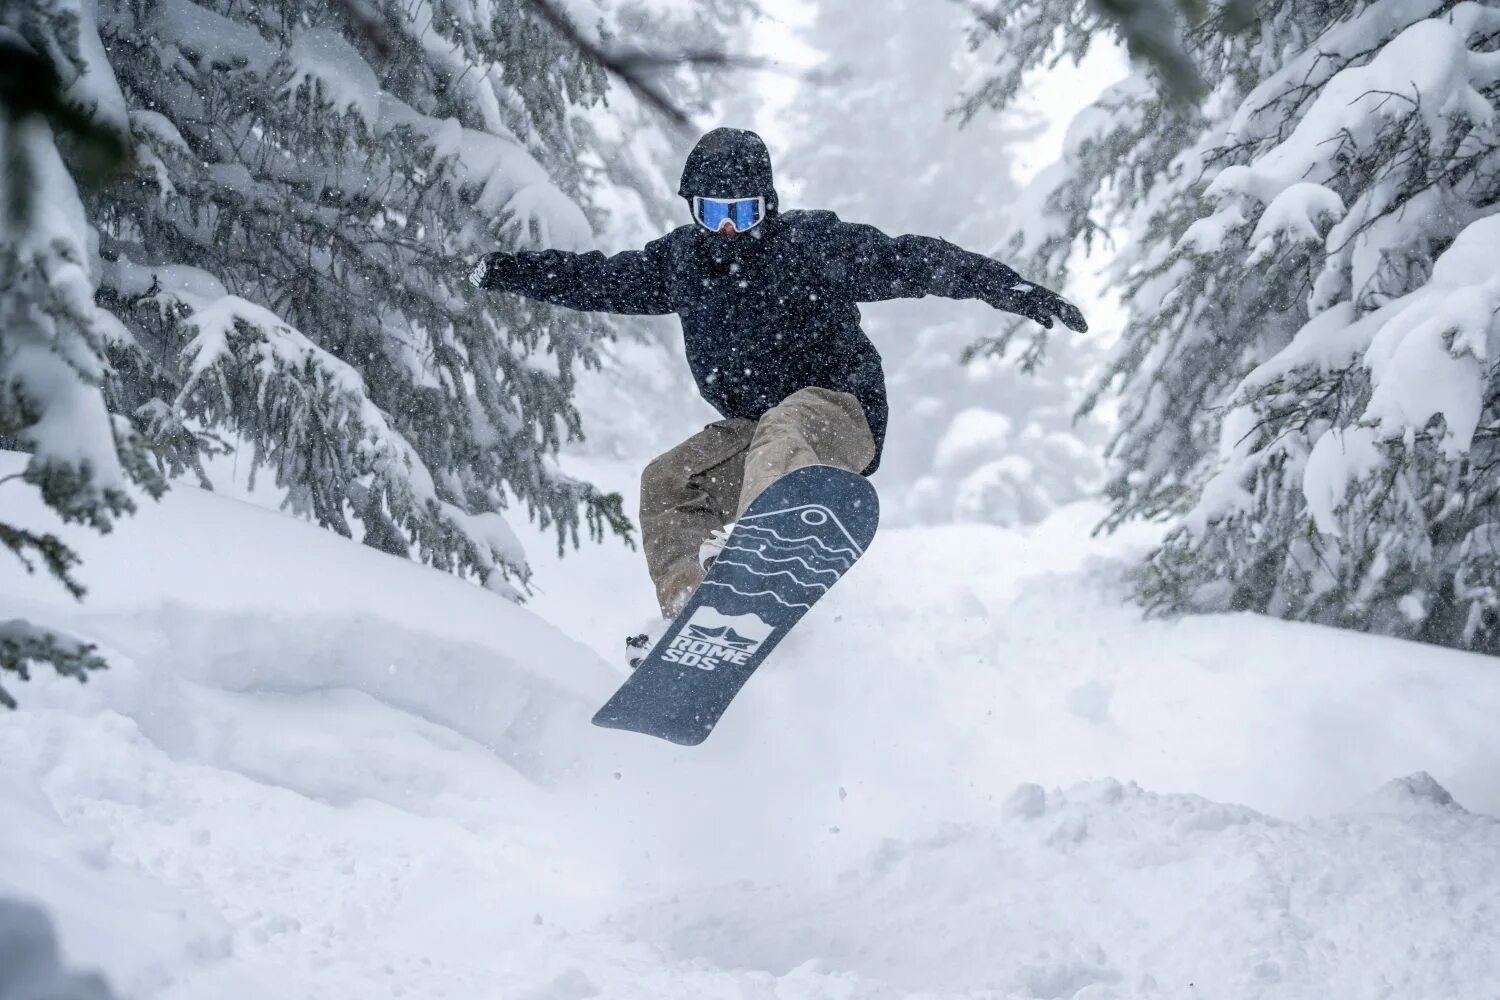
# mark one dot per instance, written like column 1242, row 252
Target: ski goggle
column 739, row 213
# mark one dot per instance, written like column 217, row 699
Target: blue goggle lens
column 742, row 213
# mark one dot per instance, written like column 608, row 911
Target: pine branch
column 23, row 644
column 58, row 559
column 630, row 67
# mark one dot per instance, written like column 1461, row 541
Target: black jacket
column 775, row 309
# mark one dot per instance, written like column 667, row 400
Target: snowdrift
column 1108, row 890
column 317, row 771
column 209, row 589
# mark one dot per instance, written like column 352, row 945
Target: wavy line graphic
column 849, row 554
column 815, row 540
column 759, row 554
column 821, row 588
column 838, row 566
column 759, row 593
column 858, row 549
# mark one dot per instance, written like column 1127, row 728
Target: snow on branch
column 309, row 418
column 1164, row 36
column 1308, row 384
column 84, row 462
column 296, row 247
column 635, row 68
column 23, row 644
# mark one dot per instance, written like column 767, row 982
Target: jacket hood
column 729, row 163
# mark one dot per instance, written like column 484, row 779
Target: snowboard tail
column 793, row 543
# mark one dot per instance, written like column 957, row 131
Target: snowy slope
column 316, row 771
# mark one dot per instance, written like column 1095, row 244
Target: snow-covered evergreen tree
column 290, row 260
column 1308, row 381
column 987, row 441
column 285, row 267
column 53, row 338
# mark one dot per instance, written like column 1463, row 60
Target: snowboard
column 794, row 542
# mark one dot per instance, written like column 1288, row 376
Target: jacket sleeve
column 628, row 282
column 880, row 267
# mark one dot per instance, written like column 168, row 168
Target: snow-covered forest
column 1171, row 671
column 1305, row 380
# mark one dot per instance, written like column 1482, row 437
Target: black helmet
column 729, row 163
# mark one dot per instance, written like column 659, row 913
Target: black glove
column 1042, row 305
column 493, row 269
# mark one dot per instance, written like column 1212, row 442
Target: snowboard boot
column 640, row 644
column 713, row 545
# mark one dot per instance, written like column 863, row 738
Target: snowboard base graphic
column 792, row 544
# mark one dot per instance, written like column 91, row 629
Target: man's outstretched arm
column 629, row 282
column 907, row 267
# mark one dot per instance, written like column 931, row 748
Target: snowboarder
column 771, row 328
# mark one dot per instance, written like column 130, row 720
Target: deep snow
column 316, row 771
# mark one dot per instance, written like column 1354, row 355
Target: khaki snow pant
column 709, row 479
